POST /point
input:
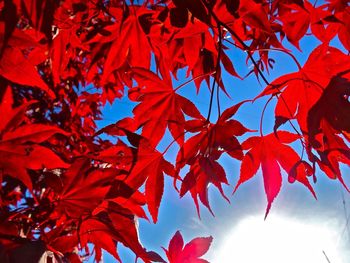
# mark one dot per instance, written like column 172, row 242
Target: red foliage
column 64, row 187
column 191, row 252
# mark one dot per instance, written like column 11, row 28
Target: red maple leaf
column 111, row 224
column 270, row 152
column 323, row 25
column 328, row 126
column 299, row 91
column 150, row 168
column 190, row 253
column 117, row 156
column 295, row 26
column 203, row 149
column 17, row 68
column 254, row 14
column 160, row 107
column 20, row 147
column 203, row 172
column 63, row 51
column 81, row 178
column 130, row 44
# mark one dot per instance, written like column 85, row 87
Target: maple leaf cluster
column 68, row 190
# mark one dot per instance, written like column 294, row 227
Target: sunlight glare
column 278, row 240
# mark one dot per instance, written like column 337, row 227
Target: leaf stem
column 219, row 56
column 211, row 99
column 193, row 79
column 262, row 116
column 271, row 49
column 324, row 253
column 172, row 142
column 217, row 74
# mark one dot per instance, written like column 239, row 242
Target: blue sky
column 294, row 201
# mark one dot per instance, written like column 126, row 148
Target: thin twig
column 272, row 49
column 219, row 57
column 216, row 75
column 346, row 216
column 193, row 79
column 262, row 116
column 324, row 253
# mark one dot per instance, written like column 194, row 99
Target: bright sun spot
column 279, row 240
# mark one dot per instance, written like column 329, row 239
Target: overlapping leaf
column 18, row 69
column 299, row 91
column 203, row 149
column 150, row 168
column 112, row 224
column 202, row 172
column 84, row 188
column 327, row 124
column 130, row 45
column 20, row 147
